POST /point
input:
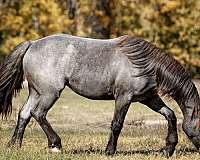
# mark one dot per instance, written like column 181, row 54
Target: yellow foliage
column 169, row 6
column 10, row 42
column 172, row 24
column 33, row 19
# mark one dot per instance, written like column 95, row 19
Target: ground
column 84, row 127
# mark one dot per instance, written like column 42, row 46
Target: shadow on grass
column 180, row 152
column 184, row 151
column 102, row 152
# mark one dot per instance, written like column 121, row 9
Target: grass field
column 84, row 128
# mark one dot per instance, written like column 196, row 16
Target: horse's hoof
column 110, row 152
column 167, row 151
column 55, row 150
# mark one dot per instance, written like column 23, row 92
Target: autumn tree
column 101, row 18
column 172, row 24
column 24, row 20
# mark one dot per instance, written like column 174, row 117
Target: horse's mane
column 172, row 78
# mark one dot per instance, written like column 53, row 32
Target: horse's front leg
column 157, row 105
column 191, row 124
column 39, row 113
column 122, row 104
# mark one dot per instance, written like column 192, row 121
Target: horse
column 126, row 69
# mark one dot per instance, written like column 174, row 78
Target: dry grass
column 84, row 127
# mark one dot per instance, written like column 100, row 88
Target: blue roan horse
column 125, row 69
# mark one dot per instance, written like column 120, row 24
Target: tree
column 101, row 19
column 31, row 19
column 172, row 24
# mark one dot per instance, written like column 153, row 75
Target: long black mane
column 172, row 78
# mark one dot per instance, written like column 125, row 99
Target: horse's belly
column 91, row 88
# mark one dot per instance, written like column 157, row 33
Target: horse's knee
column 168, row 113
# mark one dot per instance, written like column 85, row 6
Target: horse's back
column 64, row 59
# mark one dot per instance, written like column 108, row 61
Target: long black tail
column 11, row 77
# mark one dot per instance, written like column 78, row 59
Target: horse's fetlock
column 56, row 142
column 116, row 127
column 172, row 140
column 168, row 150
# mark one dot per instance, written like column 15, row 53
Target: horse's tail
column 11, row 77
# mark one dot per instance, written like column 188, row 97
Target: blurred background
column 173, row 25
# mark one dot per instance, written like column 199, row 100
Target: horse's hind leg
column 122, row 104
column 24, row 117
column 46, row 101
column 156, row 104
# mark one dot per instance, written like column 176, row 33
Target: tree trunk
column 72, row 9
column 101, row 19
